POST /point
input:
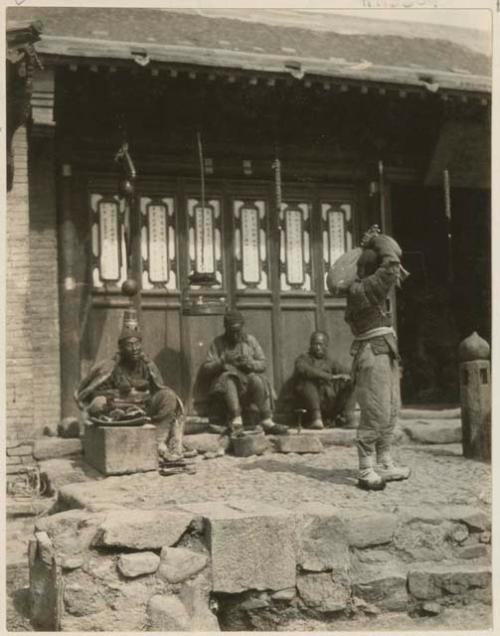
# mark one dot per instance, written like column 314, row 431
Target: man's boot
column 368, row 479
column 316, row 422
column 388, row 470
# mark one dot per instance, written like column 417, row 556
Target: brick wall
column 19, row 349
column 44, row 303
column 32, row 311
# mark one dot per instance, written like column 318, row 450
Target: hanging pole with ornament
column 132, row 286
column 447, row 211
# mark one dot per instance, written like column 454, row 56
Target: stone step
column 445, row 431
column 52, row 447
column 410, row 413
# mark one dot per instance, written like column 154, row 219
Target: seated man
column 130, row 378
column 236, row 362
column 321, row 385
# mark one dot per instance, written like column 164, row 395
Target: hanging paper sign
column 294, row 247
column 336, row 234
column 157, row 244
column 250, row 245
column 109, row 241
column 205, row 257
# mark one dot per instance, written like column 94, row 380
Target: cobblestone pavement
column 439, row 476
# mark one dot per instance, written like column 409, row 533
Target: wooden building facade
column 256, row 169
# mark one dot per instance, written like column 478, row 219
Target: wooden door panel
column 297, row 326
column 339, row 334
column 258, row 323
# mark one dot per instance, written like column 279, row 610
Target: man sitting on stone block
column 236, row 362
column 322, row 386
column 130, row 378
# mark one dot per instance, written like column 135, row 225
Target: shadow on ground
column 340, row 476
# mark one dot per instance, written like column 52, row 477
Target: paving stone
column 334, row 436
column 117, row 450
column 298, row 444
column 365, row 529
column 431, row 608
column 69, row 428
column 21, row 450
column 45, row 591
column 429, row 414
column 247, row 445
column 321, row 539
column 51, row 447
column 428, row 581
column 252, row 545
column 56, row 473
column 179, row 564
column 82, row 596
column 476, row 551
column 27, row 507
column 287, row 594
column 72, row 532
column 195, row 595
column 474, row 518
column 383, row 585
column 142, row 530
column 434, row 432
column 138, row 564
column 206, row 442
column 167, row 614
column 421, row 540
column 322, row 592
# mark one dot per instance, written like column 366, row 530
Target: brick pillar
column 19, row 349
column 44, row 303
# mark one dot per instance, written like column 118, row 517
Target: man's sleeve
column 306, row 371
column 378, row 285
column 156, row 375
column 212, row 362
column 259, row 359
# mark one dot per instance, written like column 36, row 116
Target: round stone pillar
column 475, row 397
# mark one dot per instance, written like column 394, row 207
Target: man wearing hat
column 131, row 377
column 236, row 362
column 376, row 359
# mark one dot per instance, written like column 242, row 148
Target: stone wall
column 245, row 565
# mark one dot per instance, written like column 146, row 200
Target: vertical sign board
column 294, row 247
column 109, row 241
column 158, row 257
column 204, row 230
column 250, row 245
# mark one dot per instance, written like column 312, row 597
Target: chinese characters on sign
column 204, row 227
column 109, row 241
column 336, row 234
column 294, row 247
column 250, row 245
column 157, row 244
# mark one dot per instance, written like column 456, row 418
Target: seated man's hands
column 245, row 364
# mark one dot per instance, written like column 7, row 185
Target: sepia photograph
column 248, row 318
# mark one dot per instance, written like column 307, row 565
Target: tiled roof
column 190, row 38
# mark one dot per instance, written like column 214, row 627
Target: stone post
column 475, row 397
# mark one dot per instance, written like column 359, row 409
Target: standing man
column 236, row 362
column 130, row 377
column 322, row 386
column 376, row 360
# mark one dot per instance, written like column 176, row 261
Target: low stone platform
column 242, row 564
column 115, row 450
